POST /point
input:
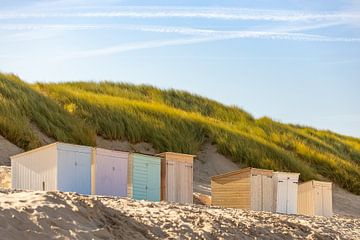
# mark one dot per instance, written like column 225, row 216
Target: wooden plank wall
column 232, row 191
column 177, row 177
column 306, row 199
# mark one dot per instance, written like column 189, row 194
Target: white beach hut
column 58, row 166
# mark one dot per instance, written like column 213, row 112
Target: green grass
column 20, row 105
column 173, row 120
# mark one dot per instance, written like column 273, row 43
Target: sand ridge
column 44, row 215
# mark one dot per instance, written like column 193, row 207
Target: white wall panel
column 111, row 172
column 35, row 170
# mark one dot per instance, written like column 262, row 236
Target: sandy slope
column 7, row 149
column 44, row 215
column 209, row 163
column 5, row 177
column 142, row 147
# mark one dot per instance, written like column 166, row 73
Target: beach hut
column 315, row 198
column 144, row 177
column 58, row 166
column 109, row 172
column 176, row 177
column 285, row 192
column 248, row 188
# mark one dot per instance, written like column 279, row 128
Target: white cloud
column 207, row 13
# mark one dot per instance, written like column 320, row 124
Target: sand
column 43, row 138
column 56, row 215
column 209, row 163
column 5, row 177
column 7, row 149
column 125, row 145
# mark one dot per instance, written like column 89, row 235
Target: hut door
column 282, row 193
column 267, row 193
column 184, row 184
column 153, row 182
column 170, row 181
column 292, row 188
column 256, row 192
column 188, row 183
column 82, row 173
column 327, row 201
column 139, row 179
column 103, row 175
column 67, row 168
column 318, row 201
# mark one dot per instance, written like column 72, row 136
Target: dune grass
column 173, row 120
column 20, row 105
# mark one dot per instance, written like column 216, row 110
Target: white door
column 292, row 189
column 327, row 201
column 281, row 195
column 170, row 181
column 318, row 201
column 267, row 193
column 256, row 195
column 66, row 171
column 189, row 183
column 83, row 173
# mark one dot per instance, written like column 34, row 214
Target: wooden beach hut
column 57, row 166
column 315, row 198
column 109, row 172
column 248, row 188
column 144, row 173
column 285, row 192
column 176, row 177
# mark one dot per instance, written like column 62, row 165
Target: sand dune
column 45, row 215
column 7, row 149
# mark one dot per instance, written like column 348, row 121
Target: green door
column 146, row 177
column 153, row 182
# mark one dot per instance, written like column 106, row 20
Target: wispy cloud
column 212, row 36
column 202, row 35
column 208, row 13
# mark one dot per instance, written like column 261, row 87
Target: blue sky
column 294, row 61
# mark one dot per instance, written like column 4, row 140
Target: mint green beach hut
column 144, row 174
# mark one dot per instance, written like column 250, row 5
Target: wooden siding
column 180, row 157
column 177, row 177
column 248, row 188
column 233, row 192
column 35, row 170
column 315, row 198
column 261, row 192
column 145, row 177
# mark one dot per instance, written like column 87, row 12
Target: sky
column 296, row 61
